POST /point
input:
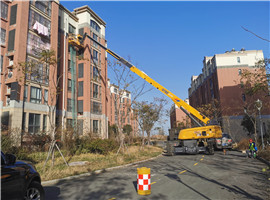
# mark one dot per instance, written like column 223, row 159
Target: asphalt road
column 218, row 176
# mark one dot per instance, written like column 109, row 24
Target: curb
column 260, row 159
column 51, row 182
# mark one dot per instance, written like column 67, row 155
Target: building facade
column 82, row 103
column 27, row 28
column 70, row 93
column 221, row 80
column 178, row 116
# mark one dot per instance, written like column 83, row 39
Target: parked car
column 224, row 143
column 19, row 180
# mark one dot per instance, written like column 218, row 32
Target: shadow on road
column 51, row 192
column 176, row 178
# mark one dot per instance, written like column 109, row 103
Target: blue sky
column 168, row 40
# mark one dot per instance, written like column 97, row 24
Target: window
column 71, row 29
column 95, row 55
column 38, row 72
column 45, row 122
column 11, row 40
column 36, row 44
column 45, row 96
column 44, row 6
column 81, row 31
column 13, row 14
column 95, row 126
column 35, row 95
column 80, row 74
column 3, row 36
column 95, row 26
column 1, row 63
column 95, row 91
column 80, row 106
column 127, row 94
column 34, row 123
column 25, row 92
column 45, row 23
column 69, row 84
column 4, row 10
column 238, row 59
column 96, row 108
column 115, row 90
column 80, row 89
column 69, row 105
column 95, row 37
column 95, row 73
column 239, row 71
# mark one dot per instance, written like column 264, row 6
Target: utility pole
column 258, row 104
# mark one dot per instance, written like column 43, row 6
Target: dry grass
column 94, row 162
column 265, row 153
column 243, row 144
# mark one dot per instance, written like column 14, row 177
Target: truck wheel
column 210, row 149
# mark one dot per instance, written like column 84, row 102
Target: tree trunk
column 148, row 138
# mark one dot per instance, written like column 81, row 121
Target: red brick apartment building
column 119, row 111
column 220, row 79
column 27, row 28
column 177, row 115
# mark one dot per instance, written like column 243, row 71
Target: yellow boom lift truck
column 191, row 140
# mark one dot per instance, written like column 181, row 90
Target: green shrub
column 101, row 146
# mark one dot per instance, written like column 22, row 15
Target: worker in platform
column 252, row 150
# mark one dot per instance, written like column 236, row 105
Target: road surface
column 218, row 176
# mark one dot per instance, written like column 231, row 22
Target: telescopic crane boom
column 203, row 132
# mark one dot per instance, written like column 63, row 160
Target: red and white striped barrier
column 144, row 181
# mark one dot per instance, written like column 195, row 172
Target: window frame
column 95, row 90
column 35, row 126
column 95, row 126
column 3, row 36
column 37, row 98
column 4, row 10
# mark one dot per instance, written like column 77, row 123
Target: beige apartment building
column 220, row 80
column 28, row 28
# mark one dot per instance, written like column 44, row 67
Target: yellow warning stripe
column 182, row 172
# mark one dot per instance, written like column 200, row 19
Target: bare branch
column 255, row 34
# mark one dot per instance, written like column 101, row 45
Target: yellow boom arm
column 179, row 102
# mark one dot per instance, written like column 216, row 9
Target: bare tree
column 255, row 34
column 126, row 83
column 44, row 72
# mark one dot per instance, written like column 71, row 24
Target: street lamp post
column 258, row 104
